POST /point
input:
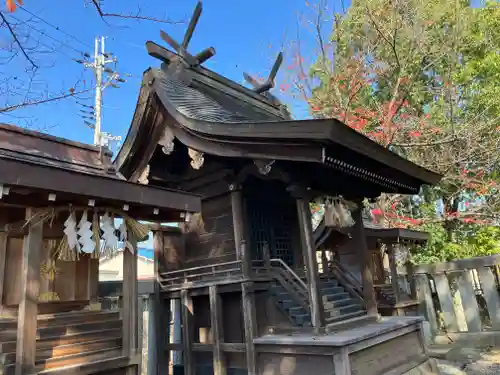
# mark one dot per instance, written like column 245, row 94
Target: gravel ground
column 471, row 361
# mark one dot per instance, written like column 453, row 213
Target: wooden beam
column 187, row 331
column 216, row 322
column 130, row 313
column 250, row 324
column 30, row 290
column 366, row 263
column 309, row 250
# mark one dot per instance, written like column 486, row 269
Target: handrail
column 290, row 271
column 346, row 278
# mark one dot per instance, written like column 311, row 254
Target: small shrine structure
column 58, row 203
column 390, row 249
column 244, row 270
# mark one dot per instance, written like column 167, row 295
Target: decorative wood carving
column 197, row 158
column 143, row 178
column 264, row 166
column 167, row 141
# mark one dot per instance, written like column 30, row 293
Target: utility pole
column 101, row 59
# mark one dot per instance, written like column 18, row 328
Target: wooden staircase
column 290, row 292
column 65, row 339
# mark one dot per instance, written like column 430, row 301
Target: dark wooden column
column 130, row 302
column 394, row 271
column 187, row 331
column 366, row 262
column 309, row 251
column 159, row 352
column 219, row 360
column 238, row 216
column 28, row 305
column 250, row 324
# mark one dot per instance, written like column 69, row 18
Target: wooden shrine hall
column 58, row 203
column 244, row 270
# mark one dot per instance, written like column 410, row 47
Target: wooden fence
column 458, row 296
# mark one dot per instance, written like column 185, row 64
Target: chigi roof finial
column 161, row 53
column 269, row 83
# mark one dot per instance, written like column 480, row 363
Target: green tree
column 421, row 78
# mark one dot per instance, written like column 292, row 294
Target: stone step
column 345, row 317
column 335, row 297
column 341, row 302
column 338, row 312
column 332, row 290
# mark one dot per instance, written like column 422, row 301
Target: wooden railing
column 458, row 296
column 227, row 271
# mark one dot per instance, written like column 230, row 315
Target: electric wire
column 47, row 35
column 56, row 28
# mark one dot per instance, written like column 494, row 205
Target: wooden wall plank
column 64, row 282
column 187, row 331
column 490, row 293
column 469, row 301
column 81, row 278
column 446, row 301
column 216, row 323
column 30, row 290
column 13, row 271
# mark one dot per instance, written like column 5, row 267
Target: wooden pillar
column 366, row 262
column 187, row 332
column 306, row 232
column 324, row 262
column 446, row 301
column 469, row 301
column 266, row 254
column 216, row 322
column 491, row 296
column 394, row 272
column 3, row 254
column 238, row 216
column 250, row 325
column 130, row 308
column 160, row 339
column 30, row 290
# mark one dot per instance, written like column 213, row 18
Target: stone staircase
column 339, row 304
column 65, row 340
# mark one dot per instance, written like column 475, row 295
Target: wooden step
column 70, row 360
column 62, row 330
column 74, row 318
column 7, row 324
column 66, row 350
column 67, row 339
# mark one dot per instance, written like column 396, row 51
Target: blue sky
column 246, row 36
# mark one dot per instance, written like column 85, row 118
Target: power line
column 47, row 35
column 56, row 27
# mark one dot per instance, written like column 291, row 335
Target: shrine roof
column 214, row 115
column 34, row 165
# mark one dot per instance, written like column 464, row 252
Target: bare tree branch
column 131, row 16
column 42, row 101
column 13, row 33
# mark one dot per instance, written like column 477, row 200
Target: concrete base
column 392, row 346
